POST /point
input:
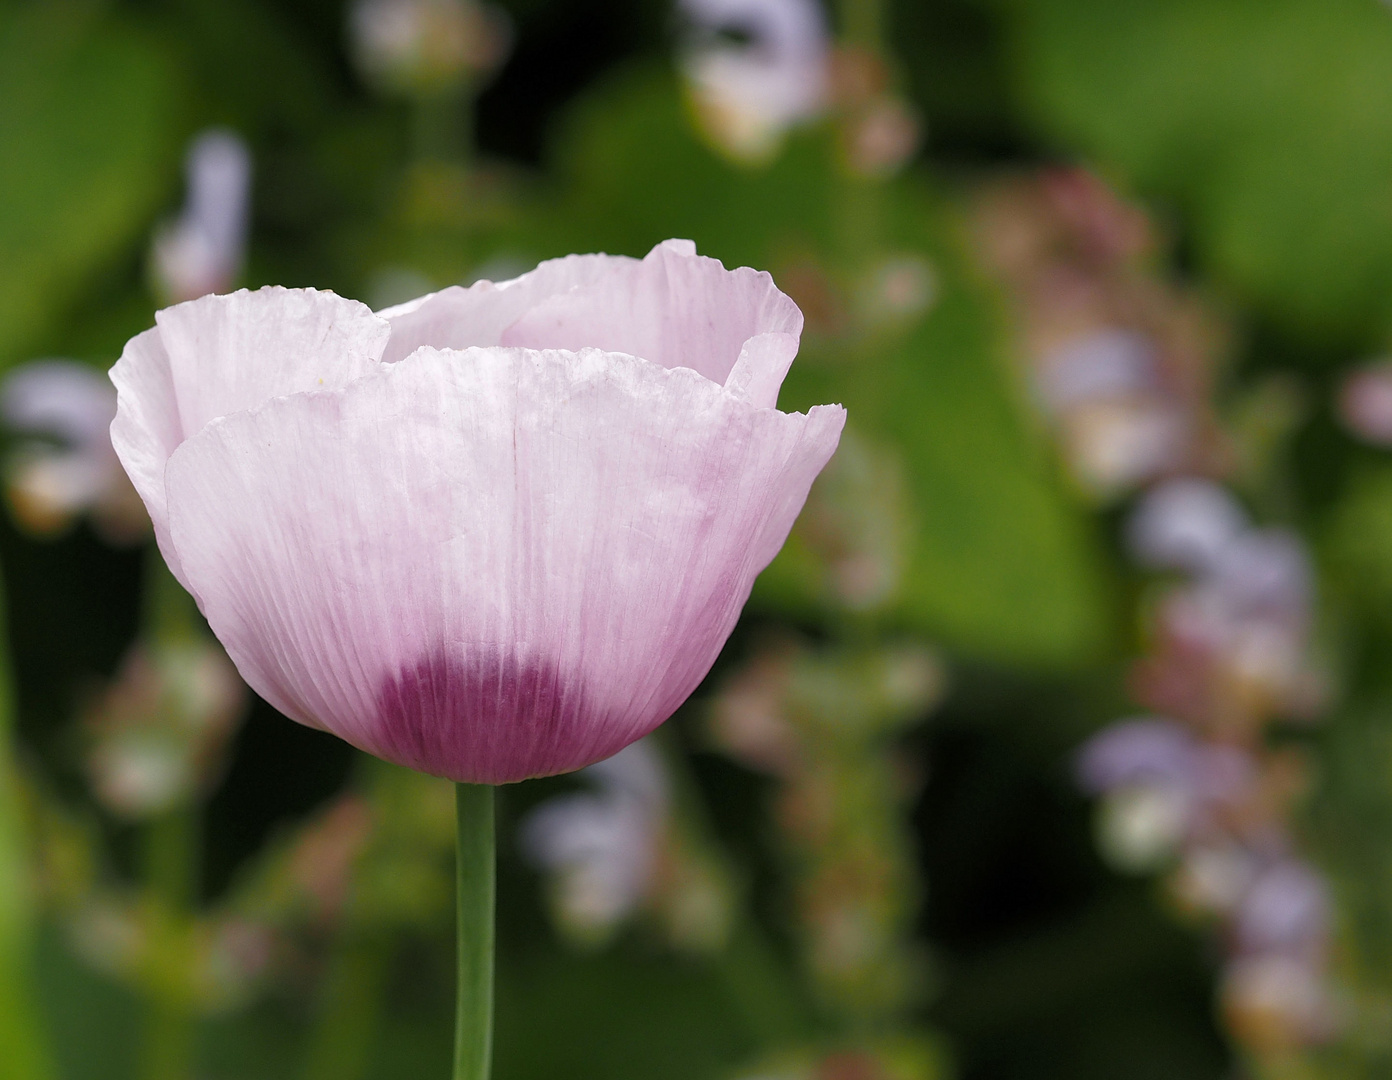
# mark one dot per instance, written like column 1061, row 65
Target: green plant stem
column 170, row 871
column 475, row 878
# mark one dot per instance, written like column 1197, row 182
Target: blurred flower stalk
column 1123, row 366
column 823, row 724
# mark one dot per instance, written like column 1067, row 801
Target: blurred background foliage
column 1054, row 255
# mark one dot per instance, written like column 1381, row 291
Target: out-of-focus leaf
column 86, row 142
column 998, row 563
column 614, row 1017
column 95, row 1022
column 1269, row 121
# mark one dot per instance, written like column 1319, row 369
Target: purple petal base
column 480, row 715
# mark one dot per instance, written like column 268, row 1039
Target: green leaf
column 1268, row 121
column 86, row 145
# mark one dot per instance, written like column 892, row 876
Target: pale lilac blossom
column 749, row 93
column 1185, row 524
column 1106, row 363
column 201, row 250
column 1119, row 424
column 1286, row 909
column 65, row 466
column 1142, row 750
column 493, row 533
column 1160, row 787
column 599, row 848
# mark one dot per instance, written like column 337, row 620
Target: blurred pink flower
column 1365, row 402
column 488, row 564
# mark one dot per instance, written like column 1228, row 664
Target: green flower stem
column 476, row 873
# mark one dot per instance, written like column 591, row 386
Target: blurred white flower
column 427, row 46
column 66, row 466
column 1365, row 402
column 1185, row 525
column 600, row 848
column 1141, row 826
column 201, row 250
column 755, row 69
column 1115, row 444
column 108, row 933
column 1148, row 774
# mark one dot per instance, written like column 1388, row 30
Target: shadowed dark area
column 483, row 716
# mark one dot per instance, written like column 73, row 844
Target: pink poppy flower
column 494, row 533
